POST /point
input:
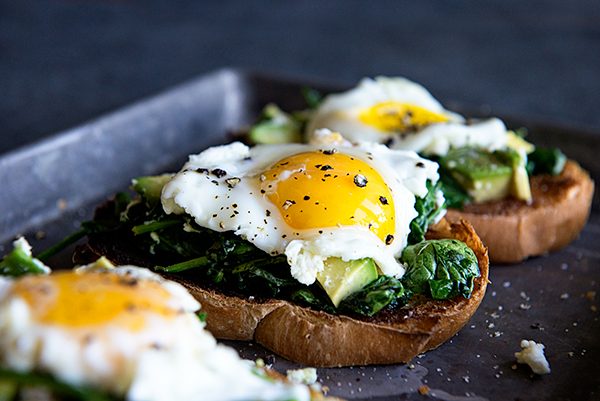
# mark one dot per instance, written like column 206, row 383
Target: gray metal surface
column 50, row 187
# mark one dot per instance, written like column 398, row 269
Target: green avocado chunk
column 275, row 127
column 484, row 175
column 150, row 187
column 340, row 279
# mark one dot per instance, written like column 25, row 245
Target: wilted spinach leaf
column 428, row 210
column 12, row 381
column 310, row 296
column 19, row 262
column 456, row 197
column 441, row 269
column 383, row 292
column 312, row 97
column 255, row 275
column 546, row 161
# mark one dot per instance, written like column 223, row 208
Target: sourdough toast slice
column 318, row 338
column 513, row 230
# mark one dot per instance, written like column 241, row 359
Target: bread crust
column 514, row 230
column 321, row 339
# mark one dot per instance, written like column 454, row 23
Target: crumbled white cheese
column 302, row 376
column 532, row 354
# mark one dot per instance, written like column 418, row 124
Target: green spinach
column 19, row 262
column 428, row 211
column 456, row 197
column 546, row 161
column 313, row 297
column 312, row 97
column 12, row 381
column 384, row 292
column 441, row 269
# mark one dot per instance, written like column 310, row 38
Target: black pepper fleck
column 232, row 182
column 218, row 172
column 360, row 180
column 130, row 281
column 383, row 200
column 286, row 205
column 389, row 239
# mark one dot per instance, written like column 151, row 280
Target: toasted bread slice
column 321, row 339
column 513, row 230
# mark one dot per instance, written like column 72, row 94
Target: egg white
column 171, row 359
column 215, row 204
column 340, row 112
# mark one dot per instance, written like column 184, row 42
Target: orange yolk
column 393, row 116
column 324, row 189
column 90, row 299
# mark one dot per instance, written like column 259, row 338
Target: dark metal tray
column 51, row 186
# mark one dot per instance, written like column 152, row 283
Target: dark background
column 64, row 62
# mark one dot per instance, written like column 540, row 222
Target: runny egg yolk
column 393, row 116
column 324, row 189
column 74, row 300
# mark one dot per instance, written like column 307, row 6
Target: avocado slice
column 150, row 187
column 339, row 278
column 516, row 142
column 484, row 175
column 488, row 176
column 520, row 188
column 520, row 184
column 275, row 127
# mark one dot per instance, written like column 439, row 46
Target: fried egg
column 404, row 115
column 308, row 201
column 125, row 331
